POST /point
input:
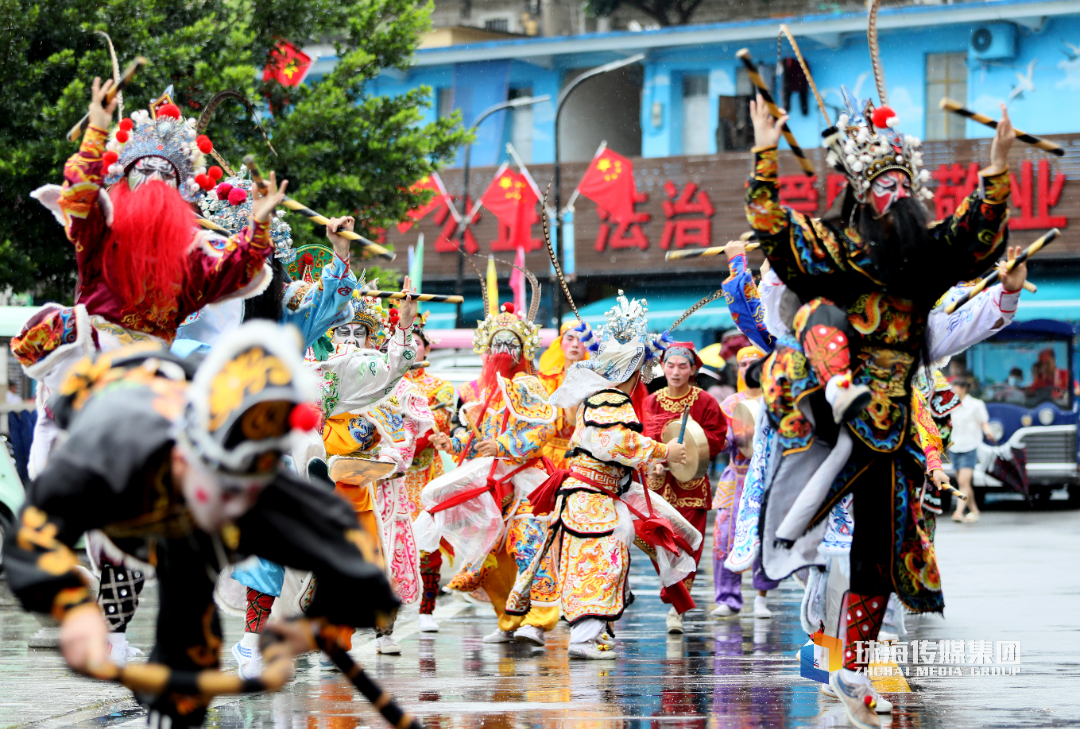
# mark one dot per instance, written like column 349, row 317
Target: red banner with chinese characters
column 512, row 201
column 288, row 65
column 675, row 203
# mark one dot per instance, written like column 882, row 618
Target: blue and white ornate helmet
column 229, row 205
column 623, row 345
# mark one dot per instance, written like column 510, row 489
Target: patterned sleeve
column 612, row 432
column 219, row 268
column 357, row 380
column 976, row 234
column 983, row 316
column 313, row 308
column 744, row 303
column 84, row 173
column 795, row 244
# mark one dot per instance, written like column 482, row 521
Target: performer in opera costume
column 599, row 506
column 862, row 344
column 427, row 464
column 185, row 477
column 375, row 415
column 144, row 266
column 692, row 498
column 482, row 508
column 561, row 354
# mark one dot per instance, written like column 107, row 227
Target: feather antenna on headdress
column 551, row 252
column 875, row 53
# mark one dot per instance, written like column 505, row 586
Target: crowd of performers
column 176, row 427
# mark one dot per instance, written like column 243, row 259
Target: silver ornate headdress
column 229, row 205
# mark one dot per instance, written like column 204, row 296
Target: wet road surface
column 1011, row 577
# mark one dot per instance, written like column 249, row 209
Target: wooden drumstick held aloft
column 704, row 252
column 76, row 132
column 957, row 108
column 307, row 212
column 994, row 277
column 755, row 78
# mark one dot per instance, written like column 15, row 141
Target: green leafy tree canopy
column 343, row 149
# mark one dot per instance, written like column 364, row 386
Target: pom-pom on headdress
column 161, row 131
column 230, row 207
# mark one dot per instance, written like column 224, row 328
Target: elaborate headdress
column 160, row 131
column 368, row 310
column 244, row 401
column 864, row 142
column 230, row 207
column 623, row 345
column 509, row 320
column 418, row 328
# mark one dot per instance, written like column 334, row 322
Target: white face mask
column 508, row 343
column 152, row 168
column 211, row 502
column 349, row 337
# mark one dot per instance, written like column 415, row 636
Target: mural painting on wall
column 672, row 205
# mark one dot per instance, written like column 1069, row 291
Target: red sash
column 500, row 488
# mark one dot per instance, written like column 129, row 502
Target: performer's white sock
column 759, row 603
column 250, row 640
column 850, row 676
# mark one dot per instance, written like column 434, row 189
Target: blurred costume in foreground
column 187, row 477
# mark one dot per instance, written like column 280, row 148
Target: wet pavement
column 1011, row 577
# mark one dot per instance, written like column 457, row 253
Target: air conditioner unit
column 993, row 42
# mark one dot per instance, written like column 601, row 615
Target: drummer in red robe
column 691, row 498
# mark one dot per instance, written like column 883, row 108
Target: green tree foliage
column 343, row 148
column 664, row 12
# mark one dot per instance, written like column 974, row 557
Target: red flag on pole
column 609, row 182
column 433, row 183
column 288, row 65
column 512, row 200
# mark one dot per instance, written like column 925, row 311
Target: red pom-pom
column 881, row 116
column 127, row 125
column 204, row 182
column 109, row 158
column 223, row 191
column 170, row 110
column 122, row 136
column 237, row 195
column 508, row 308
column 304, row 417
column 204, row 144
column 215, row 173
column 307, row 259
column 394, row 316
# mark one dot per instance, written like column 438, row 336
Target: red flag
column 433, row 183
column 288, row 65
column 609, row 182
column 512, row 200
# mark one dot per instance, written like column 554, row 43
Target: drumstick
column 755, row 78
column 397, row 295
column 957, row 108
column 288, row 202
column 682, row 427
column 996, row 275
column 955, row 491
column 704, row 252
column 76, row 131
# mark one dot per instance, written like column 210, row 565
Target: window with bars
column 946, row 75
column 497, row 24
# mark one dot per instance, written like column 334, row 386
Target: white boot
column 674, row 622
column 386, row 645
column 592, row 650
column 499, row 636
column 530, row 634
column 723, row 610
column 248, row 659
column 120, row 650
column 760, row 609
column 428, row 624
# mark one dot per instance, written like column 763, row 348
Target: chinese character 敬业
column 955, row 182
column 1035, row 212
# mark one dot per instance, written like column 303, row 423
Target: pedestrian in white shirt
column 970, row 422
